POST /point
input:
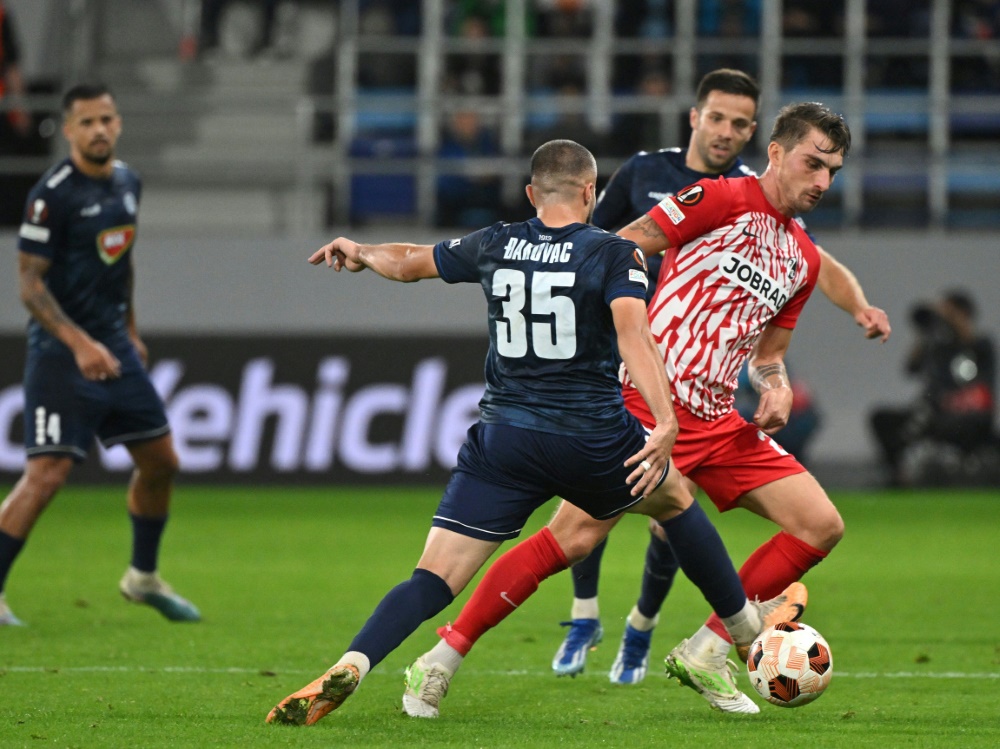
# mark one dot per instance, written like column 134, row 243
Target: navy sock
column 403, row 609
column 146, row 534
column 705, row 561
column 10, row 547
column 587, row 572
column 657, row 577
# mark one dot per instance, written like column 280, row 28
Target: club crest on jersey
column 793, row 268
column 690, row 195
column 112, row 244
column 748, row 276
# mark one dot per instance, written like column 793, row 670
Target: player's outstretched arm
column 93, row 358
column 647, row 234
column 841, row 287
column 645, row 368
column 395, row 261
column 769, row 378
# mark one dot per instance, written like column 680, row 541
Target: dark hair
column 560, row 164
column 962, row 301
column 794, row 122
column 728, row 81
column 84, row 92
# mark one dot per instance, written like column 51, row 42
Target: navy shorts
column 63, row 411
column 505, row 473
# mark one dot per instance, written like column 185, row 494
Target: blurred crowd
column 560, row 79
column 557, row 83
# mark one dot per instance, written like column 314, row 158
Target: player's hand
column 96, row 362
column 339, row 254
column 875, row 322
column 773, row 409
column 652, row 460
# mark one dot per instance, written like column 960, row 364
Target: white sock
column 708, row 647
column 358, row 660
column 584, row 608
column 640, row 622
column 744, row 625
column 446, row 655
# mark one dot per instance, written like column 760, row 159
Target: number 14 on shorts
column 47, row 425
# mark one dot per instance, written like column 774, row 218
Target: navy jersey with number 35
column 551, row 364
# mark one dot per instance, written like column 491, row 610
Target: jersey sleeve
column 693, row 211
column 42, row 229
column 788, row 315
column 613, row 204
column 457, row 259
column 627, row 273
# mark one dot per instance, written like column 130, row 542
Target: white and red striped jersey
column 734, row 265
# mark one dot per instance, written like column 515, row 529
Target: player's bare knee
column 576, row 549
column 835, row 530
column 158, row 472
column 577, row 546
column 825, row 529
column 44, row 477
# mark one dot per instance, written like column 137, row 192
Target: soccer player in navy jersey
column 560, row 294
column 737, row 273
column 722, row 122
column 85, row 371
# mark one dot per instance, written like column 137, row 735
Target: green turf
column 285, row 577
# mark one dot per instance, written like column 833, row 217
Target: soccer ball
column 790, row 664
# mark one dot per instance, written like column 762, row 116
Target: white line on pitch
column 383, row 672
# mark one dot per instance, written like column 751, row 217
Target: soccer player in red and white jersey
column 737, row 272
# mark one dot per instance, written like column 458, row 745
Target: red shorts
column 727, row 457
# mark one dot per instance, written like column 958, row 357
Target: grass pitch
column 285, row 577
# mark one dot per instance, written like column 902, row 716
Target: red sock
column 507, row 584
column 772, row 568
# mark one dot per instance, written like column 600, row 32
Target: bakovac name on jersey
column 550, row 365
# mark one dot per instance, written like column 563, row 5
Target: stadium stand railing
column 925, row 154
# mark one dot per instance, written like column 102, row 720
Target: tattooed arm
column 769, row 378
column 647, row 234
column 92, row 357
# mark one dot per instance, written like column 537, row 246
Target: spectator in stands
column 494, row 12
column 897, row 19
column 405, row 14
column 211, row 21
column 16, row 121
column 958, row 395
column 979, row 20
column 473, row 73
column 463, row 200
column 564, row 18
column 813, row 19
column 643, row 131
column 729, row 18
column 571, row 123
column 384, row 70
